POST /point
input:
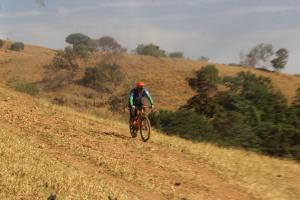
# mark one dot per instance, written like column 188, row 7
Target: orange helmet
column 140, row 84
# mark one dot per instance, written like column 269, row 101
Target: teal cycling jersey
column 136, row 96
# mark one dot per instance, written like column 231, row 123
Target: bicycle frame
column 140, row 112
column 140, row 124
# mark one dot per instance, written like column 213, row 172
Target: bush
column 233, row 129
column 17, row 46
column 176, row 55
column 278, row 139
column 2, row 43
column 23, row 86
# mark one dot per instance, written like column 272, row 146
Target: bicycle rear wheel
column 145, row 129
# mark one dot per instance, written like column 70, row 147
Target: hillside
column 163, row 76
column 48, row 149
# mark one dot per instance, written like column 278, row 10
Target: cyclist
column 135, row 99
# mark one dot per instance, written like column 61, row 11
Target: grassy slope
column 164, row 76
column 58, row 150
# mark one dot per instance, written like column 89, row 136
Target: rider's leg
column 131, row 114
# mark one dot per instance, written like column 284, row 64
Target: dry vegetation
column 263, row 176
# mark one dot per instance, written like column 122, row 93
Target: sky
column 218, row 29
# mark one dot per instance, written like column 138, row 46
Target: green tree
column 82, row 44
column 77, row 38
column 205, row 84
column 281, row 59
column 206, row 80
column 254, row 96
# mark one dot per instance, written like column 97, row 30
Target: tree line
column 249, row 113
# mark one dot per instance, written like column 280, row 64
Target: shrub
column 17, row 46
column 176, row 55
column 118, row 102
column 23, row 86
column 184, row 123
column 104, row 77
column 234, row 129
column 150, row 50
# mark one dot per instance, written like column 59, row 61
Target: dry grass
column 28, row 173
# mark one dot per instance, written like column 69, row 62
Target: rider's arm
column 148, row 96
column 130, row 99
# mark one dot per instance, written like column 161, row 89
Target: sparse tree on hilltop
column 281, row 59
column 77, row 38
column 203, row 58
column 150, row 50
column 109, row 44
column 82, row 44
column 259, row 56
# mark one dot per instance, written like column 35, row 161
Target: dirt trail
column 104, row 150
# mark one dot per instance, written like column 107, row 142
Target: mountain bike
column 141, row 123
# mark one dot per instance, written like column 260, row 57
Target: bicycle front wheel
column 132, row 129
column 145, row 129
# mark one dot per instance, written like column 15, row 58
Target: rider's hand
column 152, row 106
column 133, row 107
